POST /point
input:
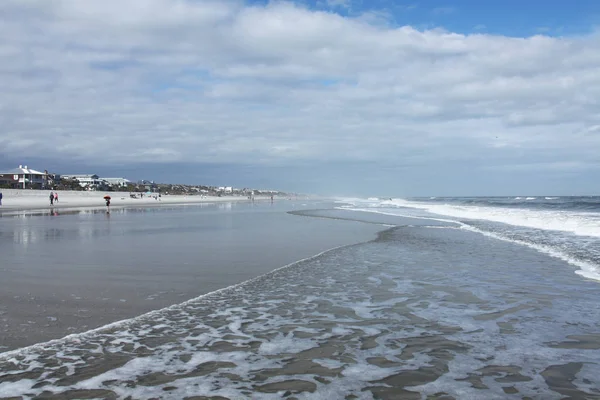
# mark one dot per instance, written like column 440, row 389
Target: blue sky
column 517, row 18
column 320, row 96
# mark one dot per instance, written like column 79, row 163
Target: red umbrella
column 107, row 197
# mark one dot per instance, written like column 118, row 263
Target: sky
column 334, row 97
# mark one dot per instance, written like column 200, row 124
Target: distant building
column 23, row 177
column 117, row 181
column 91, row 182
column 149, row 186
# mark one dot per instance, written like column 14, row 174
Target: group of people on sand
column 53, row 198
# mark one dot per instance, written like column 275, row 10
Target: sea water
column 436, row 307
column 564, row 227
column 64, row 272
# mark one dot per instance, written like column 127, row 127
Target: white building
column 86, row 180
column 117, row 181
column 23, row 176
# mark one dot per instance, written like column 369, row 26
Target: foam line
column 157, row 313
column 575, row 222
column 587, row 270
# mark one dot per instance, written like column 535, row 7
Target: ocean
column 564, row 227
column 464, row 298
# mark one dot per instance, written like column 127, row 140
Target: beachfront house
column 90, row 182
column 117, row 182
column 23, row 178
column 149, row 186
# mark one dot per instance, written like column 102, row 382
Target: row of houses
column 94, row 181
column 24, row 177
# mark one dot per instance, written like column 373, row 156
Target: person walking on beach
column 56, row 197
column 51, row 198
column 0, row 198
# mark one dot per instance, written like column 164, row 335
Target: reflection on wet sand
column 404, row 316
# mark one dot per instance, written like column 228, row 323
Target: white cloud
column 175, row 80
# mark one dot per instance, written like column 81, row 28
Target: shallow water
column 424, row 311
column 71, row 272
column 564, row 227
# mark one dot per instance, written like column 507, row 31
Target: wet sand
column 15, row 200
column 420, row 312
column 73, row 272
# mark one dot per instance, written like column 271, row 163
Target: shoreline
column 124, row 323
column 84, row 274
column 362, row 293
column 36, row 201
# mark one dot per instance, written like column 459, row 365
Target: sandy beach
column 424, row 309
column 23, row 199
column 71, row 270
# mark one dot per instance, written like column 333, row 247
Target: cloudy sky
column 348, row 97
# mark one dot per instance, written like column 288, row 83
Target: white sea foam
column 285, row 344
column 375, row 279
column 8, row 389
column 587, row 269
column 578, row 223
column 587, row 378
column 365, row 372
column 152, row 315
column 340, row 280
column 341, row 331
column 329, row 363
